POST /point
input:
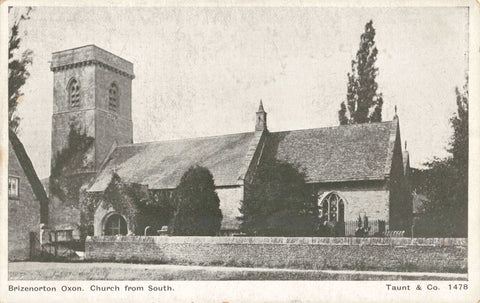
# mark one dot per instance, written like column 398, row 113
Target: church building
column 355, row 170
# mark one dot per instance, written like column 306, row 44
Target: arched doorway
column 332, row 208
column 115, row 225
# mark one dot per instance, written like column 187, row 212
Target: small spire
column 405, row 144
column 395, row 117
column 260, row 108
column 261, row 116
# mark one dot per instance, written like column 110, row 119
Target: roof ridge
column 336, row 126
column 243, row 133
column 183, row 139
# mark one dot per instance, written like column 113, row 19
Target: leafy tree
column 459, row 140
column 155, row 211
column 140, row 206
column 446, row 181
column 279, row 202
column 364, row 104
column 197, row 206
column 17, row 68
column 123, row 198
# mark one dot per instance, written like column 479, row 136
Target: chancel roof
column 341, row 153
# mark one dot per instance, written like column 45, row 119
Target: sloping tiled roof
column 331, row 154
column 341, row 153
column 160, row 165
column 32, row 176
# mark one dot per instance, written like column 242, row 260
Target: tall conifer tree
column 197, row 206
column 364, row 104
column 446, row 180
column 279, row 202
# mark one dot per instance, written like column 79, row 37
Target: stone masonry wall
column 23, row 212
column 370, row 197
column 396, row 254
column 66, row 214
column 63, row 116
column 112, row 126
column 230, row 202
column 89, row 53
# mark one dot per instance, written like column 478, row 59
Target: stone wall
column 63, row 116
column 396, row 254
column 112, row 126
column 370, row 197
column 23, row 212
column 90, row 53
column 67, row 214
column 230, row 202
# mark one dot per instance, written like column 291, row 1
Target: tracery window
column 115, row 225
column 332, row 208
column 113, row 97
column 74, row 93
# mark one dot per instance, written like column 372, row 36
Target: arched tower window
column 115, row 225
column 74, row 93
column 113, row 97
column 332, row 208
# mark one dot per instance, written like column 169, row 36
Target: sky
column 202, row 71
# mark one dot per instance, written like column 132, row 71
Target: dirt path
column 128, row 271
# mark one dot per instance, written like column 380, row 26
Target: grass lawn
column 128, row 271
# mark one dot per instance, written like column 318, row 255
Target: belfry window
column 113, row 97
column 115, row 225
column 332, row 208
column 74, row 93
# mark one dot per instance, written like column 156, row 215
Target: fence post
column 56, row 242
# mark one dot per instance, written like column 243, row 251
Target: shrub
column 196, row 205
column 279, row 202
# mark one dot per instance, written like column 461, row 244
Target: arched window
column 74, row 93
column 115, row 225
column 332, row 208
column 113, row 97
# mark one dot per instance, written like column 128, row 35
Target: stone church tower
column 92, row 92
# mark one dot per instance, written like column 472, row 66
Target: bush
column 279, row 202
column 196, row 206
